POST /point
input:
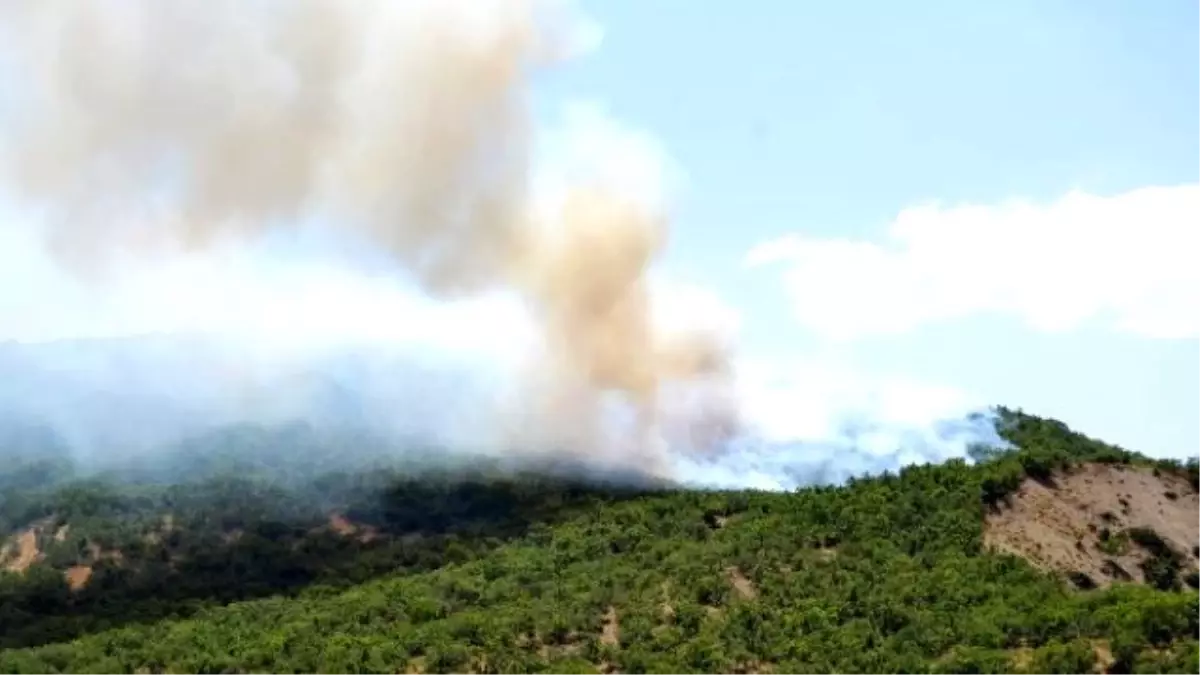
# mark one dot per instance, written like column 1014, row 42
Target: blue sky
column 830, row 119
column 905, row 210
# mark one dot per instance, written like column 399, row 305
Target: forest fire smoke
column 159, row 129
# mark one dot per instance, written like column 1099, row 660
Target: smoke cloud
column 150, row 132
column 353, row 213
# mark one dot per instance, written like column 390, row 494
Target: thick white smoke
column 159, row 135
column 296, row 182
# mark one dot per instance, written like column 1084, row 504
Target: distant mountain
column 123, row 395
column 114, row 400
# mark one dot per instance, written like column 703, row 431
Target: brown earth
column 344, row 527
column 665, row 607
column 21, row 551
column 744, row 587
column 1104, row 655
column 78, row 576
column 610, row 634
column 1059, row 525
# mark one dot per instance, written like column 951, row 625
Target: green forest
column 289, row 551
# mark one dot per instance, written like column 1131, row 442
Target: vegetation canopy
column 297, row 558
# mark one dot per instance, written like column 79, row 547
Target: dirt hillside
column 21, row 551
column 1092, row 519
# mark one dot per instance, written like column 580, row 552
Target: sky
column 996, row 201
column 906, row 211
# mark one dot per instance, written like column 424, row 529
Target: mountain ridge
column 485, row 570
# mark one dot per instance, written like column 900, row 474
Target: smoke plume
column 150, row 133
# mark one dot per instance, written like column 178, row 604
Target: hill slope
column 504, row 572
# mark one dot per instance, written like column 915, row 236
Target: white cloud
column 1128, row 259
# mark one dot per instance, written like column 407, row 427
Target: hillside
column 1063, row 554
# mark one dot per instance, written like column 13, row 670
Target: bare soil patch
column 343, row 526
column 77, row 576
column 665, row 607
column 744, row 587
column 610, row 634
column 21, row 551
column 1077, row 522
column 1104, row 655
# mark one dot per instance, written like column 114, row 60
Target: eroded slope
column 1105, row 521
